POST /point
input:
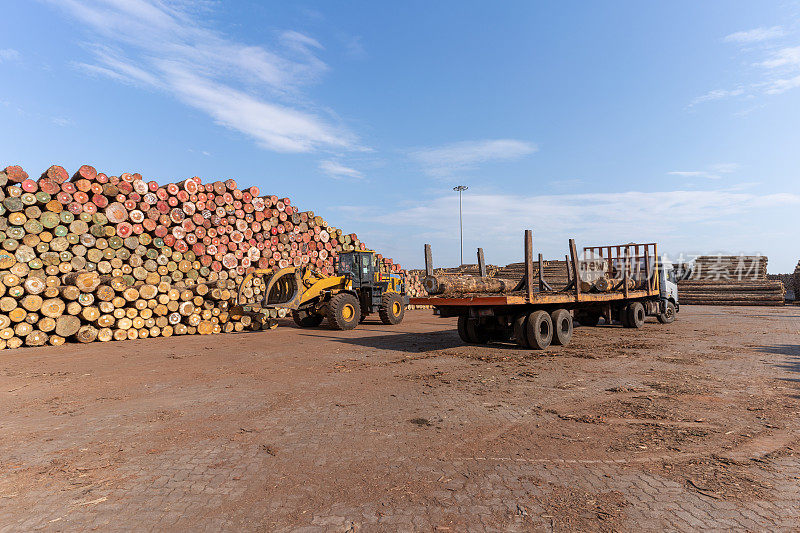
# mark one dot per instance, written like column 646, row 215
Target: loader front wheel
column 306, row 319
column 392, row 309
column 344, row 311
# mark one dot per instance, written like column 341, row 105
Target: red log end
column 86, row 172
column 16, row 174
column 56, row 173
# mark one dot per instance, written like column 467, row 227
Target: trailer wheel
column 519, row 335
column 477, row 332
column 462, row 330
column 344, row 311
column 562, row 327
column 624, row 312
column 636, row 315
column 539, row 330
column 305, row 319
column 668, row 316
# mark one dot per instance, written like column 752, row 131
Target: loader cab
column 359, row 266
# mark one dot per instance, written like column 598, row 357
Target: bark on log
column 444, row 284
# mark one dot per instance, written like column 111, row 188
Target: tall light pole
column 460, row 189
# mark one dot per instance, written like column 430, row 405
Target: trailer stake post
column 481, row 263
column 529, row 263
column 573, row 252
column 428, row 261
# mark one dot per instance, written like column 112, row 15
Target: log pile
column 797, row 283
column 730, row 280
column 96, row 257
column 555, row 272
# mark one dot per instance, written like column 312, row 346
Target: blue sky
column 608, row 122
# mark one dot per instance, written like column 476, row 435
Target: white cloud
column 777, row 67
column 717, row 94
column 713, row 172
column 8, row 54
column 336, row 170
column 444, row 161
column 680, row 220
column 785, row 63
column 166, row 46
column 784, row 57
column 755, row 35
column 61, row 121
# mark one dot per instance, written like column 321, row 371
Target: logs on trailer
column 94, row 257
column 459, row 284
column 730, row 280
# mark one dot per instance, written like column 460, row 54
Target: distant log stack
column 555, row 272
column 93, row 257
column 730, row 280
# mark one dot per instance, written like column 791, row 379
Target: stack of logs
column 97, row 257
column 796, row 284
column 555, row 272
column 730, row 280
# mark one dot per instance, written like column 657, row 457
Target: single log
column 84, row 280
column 446, row 284
column 86, row 333
column 67, row 325
column 36, row 338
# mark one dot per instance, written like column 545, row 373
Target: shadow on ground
column 790, row 364
column 398, row 342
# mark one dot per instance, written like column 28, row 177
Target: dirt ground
column 403, row 428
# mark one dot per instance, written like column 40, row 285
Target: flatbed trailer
column 538, row 315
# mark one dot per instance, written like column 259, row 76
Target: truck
column 535, row 315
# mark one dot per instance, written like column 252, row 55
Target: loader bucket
column 284, row 289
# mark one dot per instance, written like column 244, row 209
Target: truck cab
column 668, row 290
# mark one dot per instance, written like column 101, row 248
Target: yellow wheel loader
column 356, row 290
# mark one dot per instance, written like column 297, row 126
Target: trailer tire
column 462, row 330
column 392, row 309
column 305, row 319
column 562, row 327
column 539, row 330
column 344, row 311
column 623, row 315
column 636, row 315
column 668, row 316
column 519, row 335
column 477, row 332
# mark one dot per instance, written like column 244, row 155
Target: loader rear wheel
column 636, row 315
column 306, row 319
column 589, row 319
column 539, row 330
column 562, row 327
column 392, row 309
column 344, row 311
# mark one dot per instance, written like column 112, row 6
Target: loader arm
column 293, row 287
